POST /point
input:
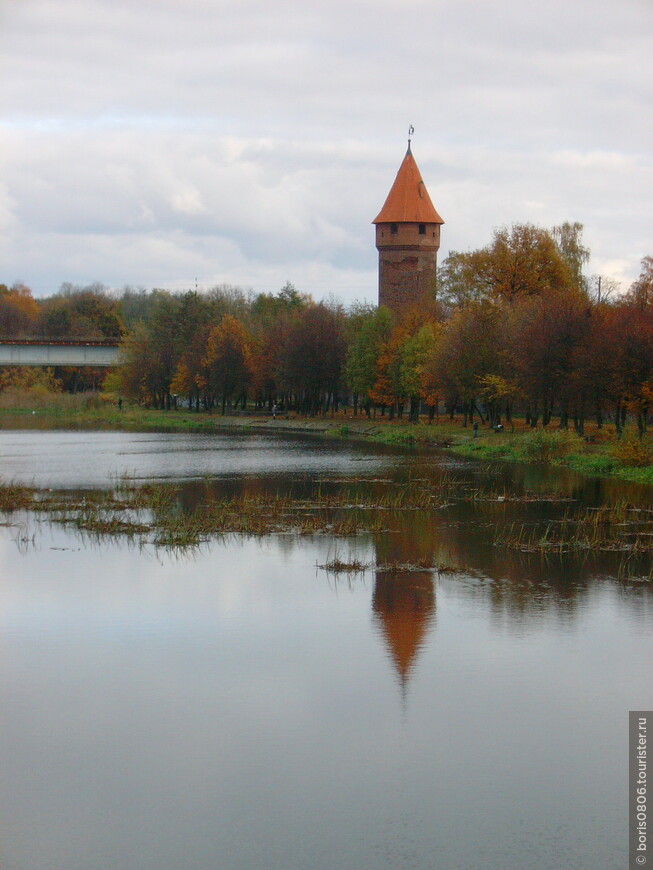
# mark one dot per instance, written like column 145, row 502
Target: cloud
column 250, row 141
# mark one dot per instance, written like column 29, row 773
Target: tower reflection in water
column 404, row 610
column 403, row 603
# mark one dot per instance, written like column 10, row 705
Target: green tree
column 415, row 353
column 363, row 354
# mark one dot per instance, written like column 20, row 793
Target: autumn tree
column 524, row 261
column 468, row 348
column 135, row 377
column 499, row 392
column 521, row 261
column 415, row 353
column 545, row 336
column 634, row 326
column 270, row 318
column 150, row 353
column 80, row 312
column 641, row 291
column 18, row 311
column 597, row 362
column 196, row 317
column 389, row 389
column 463, row 279
column 228, row 361
column 134, row 305
column 313, row 357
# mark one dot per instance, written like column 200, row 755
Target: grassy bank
column 62, row 411
column 599, row 453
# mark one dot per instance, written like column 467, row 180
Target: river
column 238, row 707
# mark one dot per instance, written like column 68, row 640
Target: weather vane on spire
column 411, row 130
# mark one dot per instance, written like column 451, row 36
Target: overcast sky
column 160, row 142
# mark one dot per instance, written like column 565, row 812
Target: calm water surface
column 239, row 708
column 96, row 459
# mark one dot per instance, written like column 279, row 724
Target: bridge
column 58, row 352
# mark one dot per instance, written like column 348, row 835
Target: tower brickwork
column 407, row 239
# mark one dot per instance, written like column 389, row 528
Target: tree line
column 512, row 328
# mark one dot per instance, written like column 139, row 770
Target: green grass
column 555, row 447
column 402, row 432
column 107, row 416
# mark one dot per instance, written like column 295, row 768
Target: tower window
column 422, row 229
column 393, row 229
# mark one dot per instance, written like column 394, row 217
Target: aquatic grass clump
column 182, row 533
column 353, row 565
column 104, row 526
column 264, row 514
column 159, row 514
column 610, row 528
column 493, row 494
column 630, row 572
column 14, row 497
column 397, row 567
column 340, row 566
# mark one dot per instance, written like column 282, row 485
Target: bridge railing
column 61, row 342
column 59, row 352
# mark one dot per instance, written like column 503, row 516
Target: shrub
column 634, row 451
column 543, row 445
column 95, row 401
column 26, row 379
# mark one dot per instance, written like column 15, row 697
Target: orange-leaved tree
column 18, row 311
column 228, row 361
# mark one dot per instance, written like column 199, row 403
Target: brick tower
column 407, row 239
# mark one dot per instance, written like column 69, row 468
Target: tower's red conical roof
column 408, row 200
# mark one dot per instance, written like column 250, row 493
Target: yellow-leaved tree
column 228, row 361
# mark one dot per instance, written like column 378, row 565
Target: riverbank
column 599, row 453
